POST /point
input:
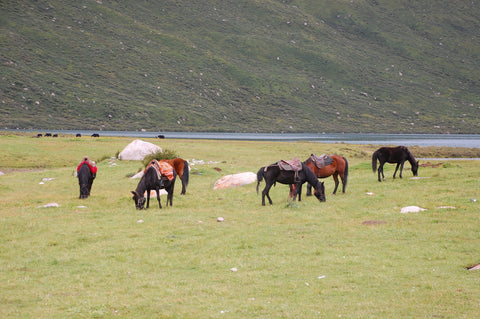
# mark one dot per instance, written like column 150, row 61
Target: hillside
column 391, row 66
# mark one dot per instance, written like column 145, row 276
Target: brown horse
column 339, row 166
column 182, row 169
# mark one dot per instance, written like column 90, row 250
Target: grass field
column 354, row 256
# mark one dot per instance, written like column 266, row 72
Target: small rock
column 50, row 205
column 411, row 209
column 140, row 221
column 233, row 269
column 220, row 219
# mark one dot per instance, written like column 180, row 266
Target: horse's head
column 320, row 191
column 415, row 169
column 139, row 200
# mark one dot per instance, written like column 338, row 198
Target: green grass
column 391, row 66
column 301, row 260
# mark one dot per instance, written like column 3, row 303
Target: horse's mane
column 411, row 159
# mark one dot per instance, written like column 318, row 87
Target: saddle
column 321, row 161
column 91, row 165
column 163, row 169
column 292, row 165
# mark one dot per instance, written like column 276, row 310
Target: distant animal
column 338, row 166
column 39, row 135
column 275, row 173
column 78, row 135
column 48, row 134
column 55, row 135
column 396, row 155
column 183, row 171
column 86, row 173
column 160, row 136
column 154, row 177
column 95, row 135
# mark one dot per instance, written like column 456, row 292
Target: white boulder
column 239, row 179
column 137, row 150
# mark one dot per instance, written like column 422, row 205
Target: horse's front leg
column 148, row 198
column 396, row 169
column 401, row 169
column 309, row 189
column 298, row 191
column 158, row 197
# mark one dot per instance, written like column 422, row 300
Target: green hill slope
column 293, row 66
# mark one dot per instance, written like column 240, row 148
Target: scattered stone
column 50, row 205
column 140, row 221
column 220, row 219
column 473, row 200
column 447, row 207
column 411, row 209
column 475, row 267
column 370, row 193
column 233, row 269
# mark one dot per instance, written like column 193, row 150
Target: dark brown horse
column 396, row 155
column 182, row 169
column 339, row 166
column 273, row 173
column 154, row 179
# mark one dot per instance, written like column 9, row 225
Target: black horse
column 397, row 155
column 150, row 181
column 273, row 174
column 85, row 180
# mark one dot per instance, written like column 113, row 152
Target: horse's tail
column 186, row 173
column 345, row 173
column 259, row 177
column 374, row 161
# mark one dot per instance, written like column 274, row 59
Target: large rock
column 137, row 150
column 239, row 179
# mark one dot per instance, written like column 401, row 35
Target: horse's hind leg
column 184, row 188
column 380, row 171
column 335, row 178
column 265, row 193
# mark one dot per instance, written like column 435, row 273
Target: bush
column 161, row 155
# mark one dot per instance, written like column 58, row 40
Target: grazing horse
column 339, row 166
column 154, row 178
column 273, row 173
column 182, row 169
column 86, row 173
column 397, row 155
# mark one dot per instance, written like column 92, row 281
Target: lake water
column 454, row 140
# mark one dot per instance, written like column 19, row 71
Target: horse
column 149, row 181
column 393, row 155
column 86, row 173
column 339, row 166
column 182, row 169
column 272, row 174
